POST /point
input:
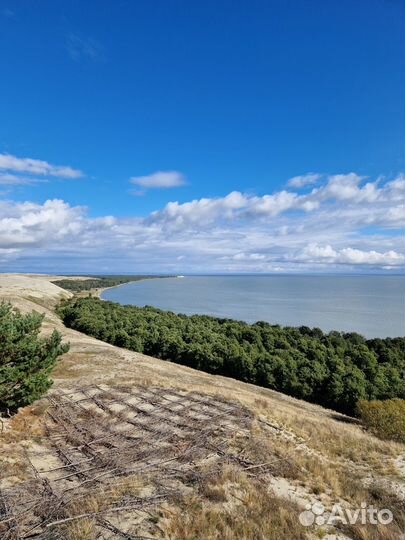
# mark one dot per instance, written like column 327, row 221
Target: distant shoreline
column 311, row 301
column 81, row 286
column 98, row 292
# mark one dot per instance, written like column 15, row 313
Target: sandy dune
column 317, row 455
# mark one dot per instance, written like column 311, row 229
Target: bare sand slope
column 212, row 440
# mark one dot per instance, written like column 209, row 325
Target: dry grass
column 315, row 459
column 26, row 425
column 337, row 439
column 277, row 454
column 380, row 499
column 244, row 510
column 83, row 529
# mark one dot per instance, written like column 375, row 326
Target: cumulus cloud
column 315, row 253
column 200, row 211
column 272, row 205
column 30, row 224
column 397, row 187
column 304, row 180
column 346, row 187
column 345, row 223
column 159, row 180
column 363, row 204
column 12, row 163
column 233, row 206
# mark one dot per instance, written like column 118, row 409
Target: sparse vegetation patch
column 386, row 419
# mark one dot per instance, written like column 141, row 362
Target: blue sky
column 197, row 100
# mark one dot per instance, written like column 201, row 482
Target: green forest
column 97, row 282
column 335, row 370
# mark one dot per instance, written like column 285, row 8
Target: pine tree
column 26, row 358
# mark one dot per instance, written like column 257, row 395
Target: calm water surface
column 371, row 305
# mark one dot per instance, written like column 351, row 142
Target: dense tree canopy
column 335, row 370
column 26, row 359
column 97, row 282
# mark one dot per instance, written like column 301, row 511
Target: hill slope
column 181, row 454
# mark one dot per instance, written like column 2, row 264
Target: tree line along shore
column 335, row 369
column 99, row 282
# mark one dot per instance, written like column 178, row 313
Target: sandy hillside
column 181, row 454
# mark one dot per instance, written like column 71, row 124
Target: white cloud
column 366, row 204
column 304, row 180
column 344, row 224
column 356, row 256
column 159, row 179
column 235, row 205
column 36, row 166
column 397, row 187
column 200, row 211
column 315, row 253
column 249, row 257
column 7, row 179
column 30, row 224
column 346, row 187
column 272, row 205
